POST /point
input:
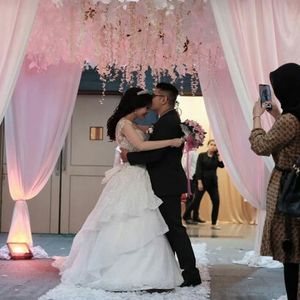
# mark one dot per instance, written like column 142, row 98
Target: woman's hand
column 275, row 111
column 200, row 185
column 176, row 142
column 123, row 154
column 218, row 156
column 258, row 110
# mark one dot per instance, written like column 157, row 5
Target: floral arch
column 52, row 36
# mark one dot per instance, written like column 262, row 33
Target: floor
column 29, row 279
column 232, row 281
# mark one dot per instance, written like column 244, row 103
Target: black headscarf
column 286, row 86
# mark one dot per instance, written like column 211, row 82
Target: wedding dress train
column 122, row 244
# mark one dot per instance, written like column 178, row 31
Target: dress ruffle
column 127, row 193
column 122, row 246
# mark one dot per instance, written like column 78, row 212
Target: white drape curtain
column 36, row 124
column 229, row 125
column 256, row 37
column 16, row 20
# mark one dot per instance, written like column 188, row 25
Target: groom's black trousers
column 177, row 236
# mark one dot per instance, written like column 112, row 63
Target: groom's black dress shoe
column 190, row 283
column 191, row 277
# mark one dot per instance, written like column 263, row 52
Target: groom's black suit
column 169, row 181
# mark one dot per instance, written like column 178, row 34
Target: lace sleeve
column 119, row 128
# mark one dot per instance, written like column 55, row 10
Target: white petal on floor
column 37, row 251
column 284, row 297
column 200, row 292
column 252, row 259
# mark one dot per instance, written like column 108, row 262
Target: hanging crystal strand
column 155, row 78
column 116, row 71
column 131, row 81
column 103, row 93
column 131, row 37
column 141, row 78
column 181, row 88
column 102, row 89
column 86, row 66
column 107, row 40
column 180, row 79
column 118, row 38
column 147, row 43
column 195, row 81
column 123, row 79
column 100, row 99
column 111, row 42
column 185, row 72
column 163, row 73
column 173, row 75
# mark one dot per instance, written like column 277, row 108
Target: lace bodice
column 122, row 140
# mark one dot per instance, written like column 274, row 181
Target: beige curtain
column 233, row 207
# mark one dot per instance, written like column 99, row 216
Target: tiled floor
column 30, row 279
column 232, row 281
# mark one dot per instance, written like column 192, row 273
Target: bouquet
column 194, row 134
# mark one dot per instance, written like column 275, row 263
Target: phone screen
column 264, row 93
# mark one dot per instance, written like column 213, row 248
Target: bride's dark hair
column 130, row 101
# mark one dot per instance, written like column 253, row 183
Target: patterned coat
column 283, row 142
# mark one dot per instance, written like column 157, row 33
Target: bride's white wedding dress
column 122, row 246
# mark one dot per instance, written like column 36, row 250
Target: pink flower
column 194, row 134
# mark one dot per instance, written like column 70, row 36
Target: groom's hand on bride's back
column 123, row 155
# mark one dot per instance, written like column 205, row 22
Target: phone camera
column 268, row 106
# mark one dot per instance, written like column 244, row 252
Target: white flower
column 150, row 130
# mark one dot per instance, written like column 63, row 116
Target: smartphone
column 265, row 96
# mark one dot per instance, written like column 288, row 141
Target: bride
column 122, row 244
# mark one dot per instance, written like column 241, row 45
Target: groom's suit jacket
column 164, row 165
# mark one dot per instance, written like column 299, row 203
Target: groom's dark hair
column 170, row 90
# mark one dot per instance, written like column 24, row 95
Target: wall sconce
column 19, row 251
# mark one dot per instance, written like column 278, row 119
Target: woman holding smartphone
column 281, row 235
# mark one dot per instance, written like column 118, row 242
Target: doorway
column 75, row 185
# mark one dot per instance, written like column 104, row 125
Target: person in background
column 281, row 235
column 207, row 181
column 190, row 169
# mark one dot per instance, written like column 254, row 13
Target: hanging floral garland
column 122, row 34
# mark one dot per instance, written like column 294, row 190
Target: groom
column 168, row 178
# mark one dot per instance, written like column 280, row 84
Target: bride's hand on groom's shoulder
column 123, row 154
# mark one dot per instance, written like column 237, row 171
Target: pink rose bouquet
column 194, row 134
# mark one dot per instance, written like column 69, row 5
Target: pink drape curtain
column 16, row 20
column 256, row 37
column 36, row 125
column 230, row 127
